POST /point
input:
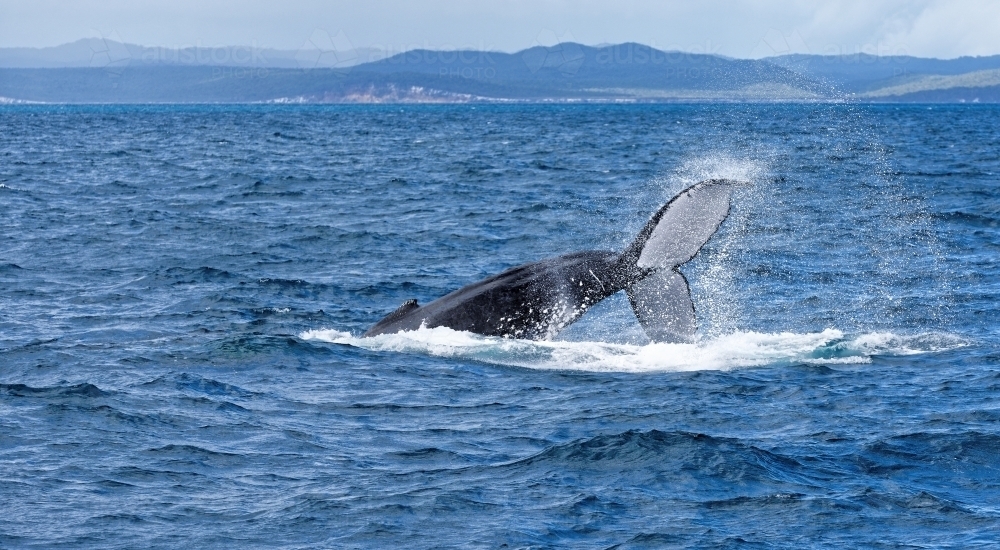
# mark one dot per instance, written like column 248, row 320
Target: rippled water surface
column 182, row 291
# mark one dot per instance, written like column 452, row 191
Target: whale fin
column 400, row 312
column 678, row 230
column 662, row 303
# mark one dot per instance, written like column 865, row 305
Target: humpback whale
column 539, row 299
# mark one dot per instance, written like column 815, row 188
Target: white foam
column 736, row 350
column 13, row 101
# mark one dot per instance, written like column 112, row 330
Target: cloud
column 926, row 28
column 949, row 28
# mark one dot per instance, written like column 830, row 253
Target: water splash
column 737, row 350
column 714, row 285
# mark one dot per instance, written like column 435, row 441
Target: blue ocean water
column 182, row 289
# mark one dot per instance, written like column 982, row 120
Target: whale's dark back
column 534, row 300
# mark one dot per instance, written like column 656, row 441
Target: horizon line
column 394, row 51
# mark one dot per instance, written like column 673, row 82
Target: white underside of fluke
column 689, row 220
column 662, row 300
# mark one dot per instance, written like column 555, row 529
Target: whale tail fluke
column 662, row 303
column 659, row 294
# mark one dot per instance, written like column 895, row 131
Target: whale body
column 537, row 300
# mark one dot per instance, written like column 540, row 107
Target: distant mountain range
column 104, row 71
column 98, row 52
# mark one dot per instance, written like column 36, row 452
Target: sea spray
column 730, row 351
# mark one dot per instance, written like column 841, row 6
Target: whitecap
column 731, row 351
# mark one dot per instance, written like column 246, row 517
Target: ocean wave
column 673, row 458
column 201, row 385
column 184, row 275
column 84, row 390
column 736, row 350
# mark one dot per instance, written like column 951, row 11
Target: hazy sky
column 738, row 28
